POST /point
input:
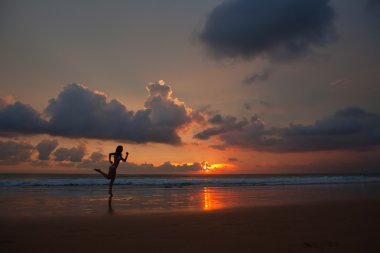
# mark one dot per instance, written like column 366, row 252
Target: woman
column 117, row 157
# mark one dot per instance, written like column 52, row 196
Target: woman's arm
column 126, row 156
column 109, row 157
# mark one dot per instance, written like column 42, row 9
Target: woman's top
column 117, row 157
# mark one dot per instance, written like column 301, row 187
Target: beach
column 324, row 227
column 248, row 218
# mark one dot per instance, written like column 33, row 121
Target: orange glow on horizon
column 181, row 164
column 204, row 166
column 209, row 168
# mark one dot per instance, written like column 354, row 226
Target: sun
column 206, row 166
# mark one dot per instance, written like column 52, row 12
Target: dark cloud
column 21, row 118
column 15, row 152
column 96, row 160
column 97, row 157
column 282, row 30
column 74, row 154
column 168, row 167
column 348, row 129
column 80, row 112
column 373, row 9
column 216, row 119
column 45, row 147
column 373, row 4
column 223, row 125
column 134, row 168
column 258, row 77
column 233, row 159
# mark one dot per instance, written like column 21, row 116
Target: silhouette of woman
column 117, row 157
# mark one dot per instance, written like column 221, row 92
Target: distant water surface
column 54, row 194
column 18, row 180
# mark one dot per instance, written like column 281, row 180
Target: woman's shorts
column 112, row 171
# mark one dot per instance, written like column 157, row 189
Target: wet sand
column 339, row 226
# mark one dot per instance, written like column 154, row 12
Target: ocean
column 54, row 194
column 36, row 180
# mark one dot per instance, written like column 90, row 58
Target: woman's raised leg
column 101, row 172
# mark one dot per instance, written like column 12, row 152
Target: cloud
column 282, row 30
column 78, row 111
column 167, row 114
column 258, row 77
column 217, row 119
column 5, row 101
column 168, row 167
column 373, row 4
column 373, row 9
column 21, row 118
column 134, row 168
column 349, row 129
column 96, row 160
column 45, row 147
column 97, row 157
column 15, row 152
column 74, row 154
column 232, row 159
column 223, row 125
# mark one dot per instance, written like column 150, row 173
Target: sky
column 211, row 86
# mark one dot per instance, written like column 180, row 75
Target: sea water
column 63, row 194
column 22, row 180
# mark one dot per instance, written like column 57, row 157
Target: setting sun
column 207, row 167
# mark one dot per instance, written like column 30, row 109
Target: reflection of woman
column 117, row 157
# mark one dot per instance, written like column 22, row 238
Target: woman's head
column 119, row 149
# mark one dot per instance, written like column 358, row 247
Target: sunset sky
column 250, row 86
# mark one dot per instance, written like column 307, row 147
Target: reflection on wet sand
column 211, row 199
column 110, row 210
column 206, row 199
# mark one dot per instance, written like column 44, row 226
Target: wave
column 167, row 182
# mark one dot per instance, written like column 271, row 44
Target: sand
column 340, row 226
